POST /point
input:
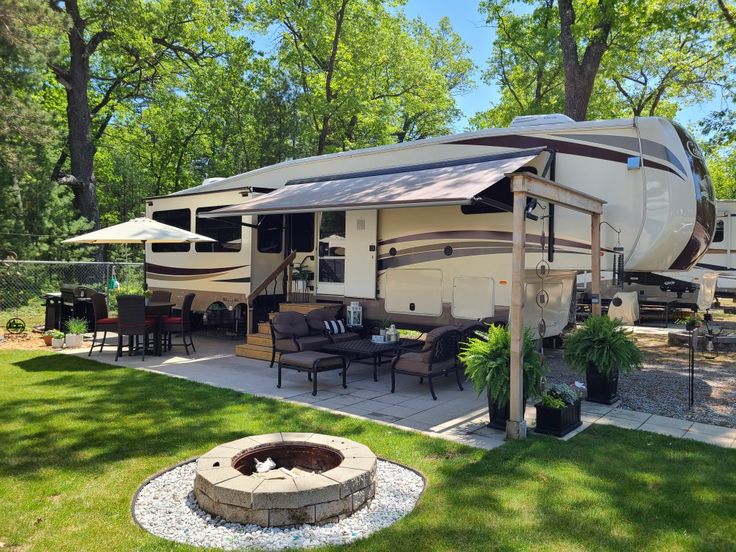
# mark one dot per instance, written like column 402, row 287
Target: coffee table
column 356, row 350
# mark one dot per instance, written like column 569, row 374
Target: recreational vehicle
column 420, row 232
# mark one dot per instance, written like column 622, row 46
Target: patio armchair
column 159, row 296
column 132, row 322
column 316, row 321
column 180, row 324
column 290, row 333
column 102, row 320
column 437, row 357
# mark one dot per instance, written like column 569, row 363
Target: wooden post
column 516, row 426
column 595, row 259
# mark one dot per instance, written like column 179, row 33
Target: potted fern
column 558, row 411
column 602, row 348
column 76, row 328
column 487, row 360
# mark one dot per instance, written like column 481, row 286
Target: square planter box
column 499, row 416
column 558, row 421
column 601, row 389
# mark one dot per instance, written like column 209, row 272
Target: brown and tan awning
column 451, row 183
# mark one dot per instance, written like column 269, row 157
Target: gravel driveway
column 662, row 386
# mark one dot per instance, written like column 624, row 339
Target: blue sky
column 472, row 27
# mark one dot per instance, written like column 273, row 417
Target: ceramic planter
column 57, row 343
column 601, row 388
column 558, row 421
column 74, row 340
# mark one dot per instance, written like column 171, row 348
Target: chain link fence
column 23, row 284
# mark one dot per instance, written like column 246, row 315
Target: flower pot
column 558, row 421
column 47, row 339
column 601, row 388
column 500, row 415
column 74, row 340
column 57, row 343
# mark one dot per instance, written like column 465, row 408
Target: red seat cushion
column 107, row 321
column 172, row 320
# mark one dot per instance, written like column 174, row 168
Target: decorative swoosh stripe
column 235, row 280
column 561, row 146
column 478, row 234
column 177, row 271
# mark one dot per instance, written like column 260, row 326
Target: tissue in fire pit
column 318, row 479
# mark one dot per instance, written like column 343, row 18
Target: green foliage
column 550, row 401
column 487, row 360
column 76, row 326
column 54, row 334
column 560, row 395
column 603, row 344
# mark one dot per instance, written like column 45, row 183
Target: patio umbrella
column 140, row 230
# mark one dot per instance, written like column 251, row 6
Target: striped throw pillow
column 335, row 326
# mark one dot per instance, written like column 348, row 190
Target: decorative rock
column 166, row 507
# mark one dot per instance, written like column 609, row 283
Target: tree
column 138, row 40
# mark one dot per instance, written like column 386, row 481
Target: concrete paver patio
column 457, row 415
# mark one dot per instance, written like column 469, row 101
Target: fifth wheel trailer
column 420, row 232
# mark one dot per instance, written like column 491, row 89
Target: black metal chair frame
column 132, row 323
column 445, row 347
column 185, row 327
column 99, row 302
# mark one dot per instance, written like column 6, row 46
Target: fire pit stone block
column 335, row 478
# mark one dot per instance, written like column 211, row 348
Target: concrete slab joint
column 225, row 487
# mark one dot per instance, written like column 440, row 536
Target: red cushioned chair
column 180, row 324
column 132, row 321
column 103, row 322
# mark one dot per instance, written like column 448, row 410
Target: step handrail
column 264, row 284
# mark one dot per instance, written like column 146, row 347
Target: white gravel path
column 166, row 507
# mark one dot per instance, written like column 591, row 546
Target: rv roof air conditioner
column 536, row 120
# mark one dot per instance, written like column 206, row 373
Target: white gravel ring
column 166, row 507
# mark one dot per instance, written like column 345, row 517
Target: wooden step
column 264, row 328
column 259, row 352
column 261, row 339
column 303, row 308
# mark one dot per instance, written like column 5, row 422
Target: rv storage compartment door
column 361, row 229
column 472, row 297
column 414, row 291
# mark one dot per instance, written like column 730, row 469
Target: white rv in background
column 420, row 232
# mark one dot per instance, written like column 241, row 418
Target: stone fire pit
column 319, row 479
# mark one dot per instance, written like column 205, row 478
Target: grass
column 77, row 438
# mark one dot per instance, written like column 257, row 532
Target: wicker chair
column 132, row 322
column 181, row 324
column 437, row 357
column 103, row 322
column 290, row 333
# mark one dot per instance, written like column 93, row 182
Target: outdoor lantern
column 354, row 314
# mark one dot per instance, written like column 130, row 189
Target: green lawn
column 78, row 437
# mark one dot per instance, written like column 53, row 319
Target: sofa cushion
column 413, row 363
column 316, row 318
column 286, row 324
column 307, row 359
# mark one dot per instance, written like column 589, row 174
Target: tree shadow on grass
column 607, row 489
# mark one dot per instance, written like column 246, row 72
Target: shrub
column 76, row 326
column 603, row 344
column 487, row 360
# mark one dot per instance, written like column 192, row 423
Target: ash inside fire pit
column 317, row 479
column 304, row 457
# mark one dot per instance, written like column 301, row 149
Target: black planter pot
column 601, row 388
column 500, row 415
column 558, row 421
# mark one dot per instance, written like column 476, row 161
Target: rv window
column 302, row 232
column 718, row 236
column 269, row 233
column 226, row 230
column 181, row 218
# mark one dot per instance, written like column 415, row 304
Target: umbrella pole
column 145, row 268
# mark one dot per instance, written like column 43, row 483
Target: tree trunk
column 81, row 147
column 580, row 74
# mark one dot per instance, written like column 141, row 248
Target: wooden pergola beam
column 523, row 186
